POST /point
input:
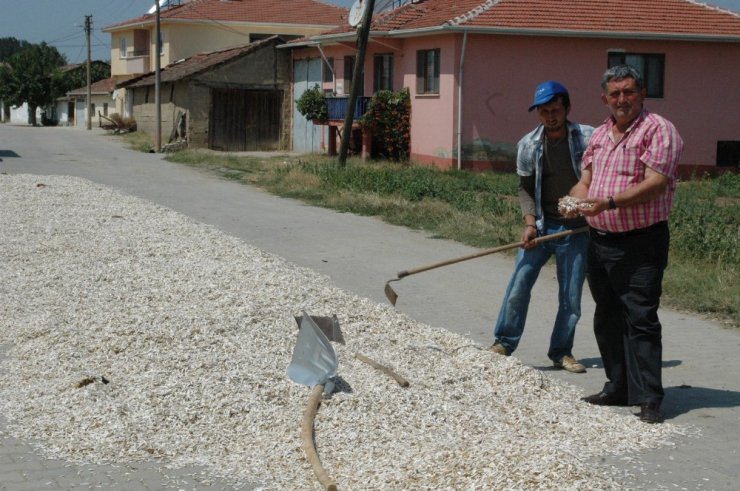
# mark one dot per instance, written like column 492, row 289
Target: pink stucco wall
column 701, row 85
column 701, row 93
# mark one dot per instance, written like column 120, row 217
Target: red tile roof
column 293, row 12
column 657, row 18
column 198, row 63
column 104, row 86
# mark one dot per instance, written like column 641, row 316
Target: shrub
column 312, row 104
column 389, row 118
column 120, row 123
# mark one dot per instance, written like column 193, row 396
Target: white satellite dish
column 165, row 3
column 162, row 3
column 356, row 12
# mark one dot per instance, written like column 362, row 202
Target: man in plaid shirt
column 628, row 179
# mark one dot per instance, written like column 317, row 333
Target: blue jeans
column 570, row 255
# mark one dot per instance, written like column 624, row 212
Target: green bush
column 705, row 221
column 389, row 118
column 312, row 104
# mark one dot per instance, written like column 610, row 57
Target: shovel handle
column 486, row 252
column 308, row 440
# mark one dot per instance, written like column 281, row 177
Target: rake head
column 389, row 293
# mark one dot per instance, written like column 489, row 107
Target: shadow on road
column 682, row 399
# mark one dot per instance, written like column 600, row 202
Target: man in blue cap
column 549, row 165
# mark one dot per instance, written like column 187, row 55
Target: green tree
column 64, row 81
column 28, row 76
column 10, row 46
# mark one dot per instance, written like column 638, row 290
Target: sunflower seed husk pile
column 133, row 333
column 569, row 205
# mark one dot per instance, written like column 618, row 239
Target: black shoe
column 604, row 399
column 650, row 412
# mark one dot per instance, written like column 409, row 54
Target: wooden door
column 263, row 119
column 228, row 121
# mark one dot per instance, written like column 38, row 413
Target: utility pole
column 157, row 83
column 88, row 28
column 362, row 36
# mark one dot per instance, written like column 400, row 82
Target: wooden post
column 362, row 35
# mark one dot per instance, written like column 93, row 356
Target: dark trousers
column 625, row 274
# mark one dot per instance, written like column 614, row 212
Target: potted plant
column 312, row 105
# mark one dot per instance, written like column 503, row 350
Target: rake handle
column 486, row 252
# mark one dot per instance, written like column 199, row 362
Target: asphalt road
column 701, row 363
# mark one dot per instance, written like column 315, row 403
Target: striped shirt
column 650, row 141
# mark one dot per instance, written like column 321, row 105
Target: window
column 328, row 70
column 122, row 48
column 427, row 71
column 105, row 109
column 383, row 72
column 651, row 66
column 349, row 69
column 728, row 153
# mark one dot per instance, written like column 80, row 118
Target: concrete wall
column 173, row 98
column 20, row 115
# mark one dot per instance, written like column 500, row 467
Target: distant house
column 198, row 26
column 231, row 99
column 71, row 110
column 471, row 67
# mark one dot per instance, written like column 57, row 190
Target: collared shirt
column 529, row 159
column 651, row 141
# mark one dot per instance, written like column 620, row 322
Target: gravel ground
column 135, row 333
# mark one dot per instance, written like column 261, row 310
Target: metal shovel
column 392, row 296
column 314, row 361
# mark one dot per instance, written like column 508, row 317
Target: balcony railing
column 337, row 107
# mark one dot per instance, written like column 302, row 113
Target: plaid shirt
column 650, row 141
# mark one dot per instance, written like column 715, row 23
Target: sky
column 60, row 23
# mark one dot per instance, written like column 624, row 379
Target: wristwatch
column 612, row 204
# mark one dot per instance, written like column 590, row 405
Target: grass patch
column 139, row 141
column 482, row 210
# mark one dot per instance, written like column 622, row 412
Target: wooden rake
column 393, row 297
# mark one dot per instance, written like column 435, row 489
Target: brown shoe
column 499, row 349
column 650, row 413
column 570, row 364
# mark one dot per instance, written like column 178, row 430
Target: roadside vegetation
column 481, row 210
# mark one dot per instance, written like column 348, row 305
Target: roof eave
column 653, row 36
column 150, row 22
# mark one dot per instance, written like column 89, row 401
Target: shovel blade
column 314, row 360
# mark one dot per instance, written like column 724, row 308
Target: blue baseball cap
column 546, row 91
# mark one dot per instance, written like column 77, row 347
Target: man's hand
column 528, row 236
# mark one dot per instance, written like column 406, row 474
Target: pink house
column 471, row 67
